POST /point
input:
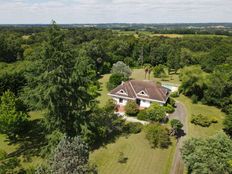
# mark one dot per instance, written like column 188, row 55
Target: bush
column 155, row 113
column 175, row 94
column 110, row 105
column 171, row 101
column 157, row 135
column 159, row 71
column 176, row 126
column 194, row 99
column 131, row 108
column 201, row 120
column 133, row 128
column 142, row 115
column 169, row 108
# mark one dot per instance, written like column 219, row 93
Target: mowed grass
column 142, row 159
column 139, row 74
column 209, row 111
column 103, row 98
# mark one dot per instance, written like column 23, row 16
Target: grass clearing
column 210, row 111
column 141, row 157
column 103, row 98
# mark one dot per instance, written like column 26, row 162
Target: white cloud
column 103, row 11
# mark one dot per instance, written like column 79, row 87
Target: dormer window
column 122, row 92
column 142, row 93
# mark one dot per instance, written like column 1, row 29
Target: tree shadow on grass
column 30, row 141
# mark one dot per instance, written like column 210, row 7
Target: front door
column 138, row 101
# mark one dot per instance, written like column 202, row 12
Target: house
column 144, row 92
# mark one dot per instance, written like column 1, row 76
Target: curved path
column 180, row 114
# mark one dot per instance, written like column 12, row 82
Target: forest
column 56, row 70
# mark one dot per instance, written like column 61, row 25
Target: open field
column 151, row 34
column 141, row 157
column 210, row 111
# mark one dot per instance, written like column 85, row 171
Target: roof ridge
column 133, row 89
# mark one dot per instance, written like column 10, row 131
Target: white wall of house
column 123, row 101
column 145, row 103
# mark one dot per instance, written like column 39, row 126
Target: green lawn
column 210, row 111
column 142, row 159
column 103, row 98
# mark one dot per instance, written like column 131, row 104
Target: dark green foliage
column 7, row 164
column 169, row 108
column 10, row 47
column 53, row 140
column 171, row 101
column 131, row 108
column 201, row 120
column 173, row 60
column 110, row 105
column 193, row 81
column 13, row 120
column 228, row 123
column 71, row 156
column 103, row 126
column 211, row 155
column 142, row 115
column 115, row 80
column 219, row 87
column 159, row 71
column 157, row 135
column 176, row 126
column 175, row 94
column 133, row 128
column 12, row 81
column 155, row 113
column 60, row 82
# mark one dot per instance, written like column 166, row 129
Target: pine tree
column 59, row 83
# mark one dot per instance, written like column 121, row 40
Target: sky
column 114, row 11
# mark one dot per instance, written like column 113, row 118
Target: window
column 120, row 100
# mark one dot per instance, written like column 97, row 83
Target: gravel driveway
column 180, row 114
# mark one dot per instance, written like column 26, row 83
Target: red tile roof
column 133, row 89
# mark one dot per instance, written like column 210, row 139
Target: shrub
column 133, row 128
column 169, row 108
column 159, row 71
column 157, row 135
column 175, row 94
column 171, row 101
column 194, row 99
column 110, row 105
column 142, row 115
column 155, row 113
column 131, row 108
column 121, row 68
column 201, row 120
column 176, row 126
